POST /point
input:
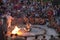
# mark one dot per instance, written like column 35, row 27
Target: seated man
column 43, row 38
column 52, row 38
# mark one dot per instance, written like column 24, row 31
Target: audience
column 33, row 11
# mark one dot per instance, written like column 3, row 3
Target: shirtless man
column 9, row 20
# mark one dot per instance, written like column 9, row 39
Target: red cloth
column 0, row 23
column 17, row 6
column 50, row 13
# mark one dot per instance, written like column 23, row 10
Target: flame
column 19, row 31
column 15, row 31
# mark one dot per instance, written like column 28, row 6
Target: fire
column 20, row 31
column 17, row 31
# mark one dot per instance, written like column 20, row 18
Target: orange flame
column 17, row 31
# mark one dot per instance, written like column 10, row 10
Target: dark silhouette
column 56, row 2
column 2, row 35
column 52, row 38
column 44, row 38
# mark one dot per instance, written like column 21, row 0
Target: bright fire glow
column 15, row 31
column 20, row 31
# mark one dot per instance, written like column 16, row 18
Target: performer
column 9, row 20
column 28, row 26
